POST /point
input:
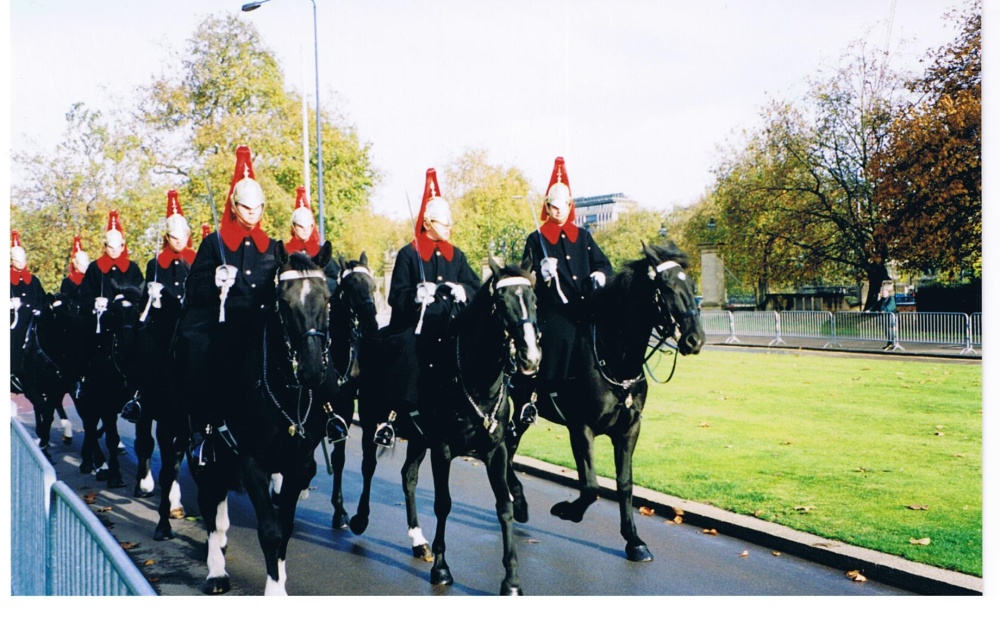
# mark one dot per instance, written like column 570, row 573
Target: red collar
column 233, row 234
column 550, row 229
column 16, row 276
column 168, row 255
column 310, row 246
column 104, row 263
column 426, row 246
column 75, row 275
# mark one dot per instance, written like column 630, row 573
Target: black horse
column 44, row 362
column 495, row 337
column 104, row 387
column 352, row 318
column 651, row 294
column 276, row 418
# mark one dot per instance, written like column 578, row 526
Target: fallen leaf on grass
column 678, row 512
column 90, row 498
column 856, row 576
column 776, row 553
column 758, row 513
column 745, row 554
column 643, row 510
column 193, row 519
column 128, row 545
column 939, row 426
column 914, row 506
column 939, row 434
column 804, row 508
column 677, row 520
column 148, row 562
column 704, row 425
column 710, row 532
column 921, row 541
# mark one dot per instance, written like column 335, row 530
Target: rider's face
column 176, row 243
column 436, row 230
column 302, row 232
column 248, row 217
column 113, row 251
column 558, row 212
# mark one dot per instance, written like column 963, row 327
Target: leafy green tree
column 621, row 240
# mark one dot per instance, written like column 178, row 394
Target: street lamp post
column 252, row 6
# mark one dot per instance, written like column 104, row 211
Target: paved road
column 556, row 558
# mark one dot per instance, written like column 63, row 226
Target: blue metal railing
column 58, row 546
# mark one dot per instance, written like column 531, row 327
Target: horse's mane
column 301, row 262
column 622, row 281
column 483, row 297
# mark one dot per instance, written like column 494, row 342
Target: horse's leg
column 415, row 452
column 214, row 505
column 111, row 441
column 44, row 415
column 64, row 422
column 256, row 480
column 144, row 445
column 497, row 463
column 369, row 461
column 441, row 470
column 338, row 458
column 624, row 446
column 88, row 451
column 172, row 448
column 513, row 440
column 581, row 439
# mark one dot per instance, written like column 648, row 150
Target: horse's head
column 303, row 306
column 512, row 293
column 675, row 302
column 356, row 293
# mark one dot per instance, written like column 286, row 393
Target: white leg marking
column 417, row 537
column 175, row 495
column 276, row 480
column 67, row 427
column 146, row 483
column 222, row 520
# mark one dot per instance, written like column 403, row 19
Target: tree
column 491, row 205
column 621, row 240
column 800, row 199
column 930, row 175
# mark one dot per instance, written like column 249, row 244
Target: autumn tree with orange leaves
column 930, row 175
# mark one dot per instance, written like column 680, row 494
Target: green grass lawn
column 868, row 451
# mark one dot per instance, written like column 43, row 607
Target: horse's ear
column 364, row 259
column 280, row 254
column 650, row 253
column 526, row 263
column 323, row 257
column 494, row 266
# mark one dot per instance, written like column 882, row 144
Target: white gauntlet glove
column 100, row 305
column 124, row 302
column 15, row 303
column 458, row 292
column 598, row 278
column 225, row 276
column 549, row 267
column 425, row 293
column 155, row 293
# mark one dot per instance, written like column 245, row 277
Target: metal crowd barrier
column 891, row 329
column 58, row 546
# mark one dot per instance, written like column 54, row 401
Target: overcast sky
column 636, row 95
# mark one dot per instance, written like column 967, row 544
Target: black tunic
column 153, row 370
column 410, row 354
column 565, row 326
column 32, row 297
column 114, row 282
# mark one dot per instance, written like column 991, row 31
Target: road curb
column 876, row 566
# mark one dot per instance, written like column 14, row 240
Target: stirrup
column 385, row 434
column 15, row 384
column 132, row 409
column 529, row 412
column 227, row 437
column 336, row 428
column 201, row 453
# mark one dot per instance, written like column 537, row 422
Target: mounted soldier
column 112, row 276
column 305, row 237
column 228, row 293
column 570, row 266
column 78, row 262
column 162, row 299
column 431, row 281
column 27, row 297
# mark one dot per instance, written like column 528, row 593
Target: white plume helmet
column 177, row 226
column 303, row 217
column 81, row 260
column 438, row 210
column 18, row 257
column 114, row 238
column 249, row 193
column 558, row 195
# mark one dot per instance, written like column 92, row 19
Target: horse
column 352, row 318
column 275, row 418
column 105, row 387
column 651, row 294
column 493, row 338
column 41, row 354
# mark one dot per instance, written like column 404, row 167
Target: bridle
column 520, row 282
column 355, row 336
column 296, row 426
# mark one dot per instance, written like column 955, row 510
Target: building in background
column 593, row 212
